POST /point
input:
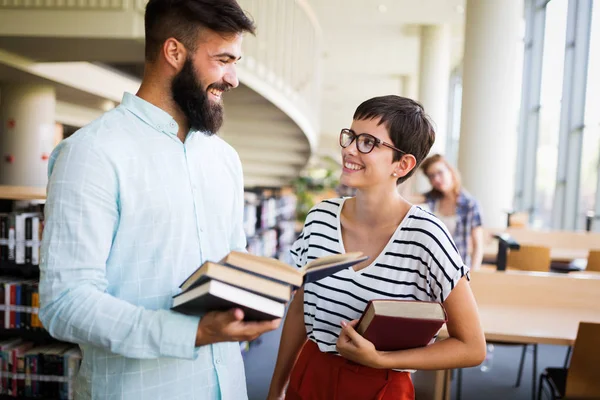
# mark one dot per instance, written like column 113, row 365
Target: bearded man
column 137, row 200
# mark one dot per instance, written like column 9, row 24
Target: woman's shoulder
column 467, row 199
column 328, row 207
column 325, row 211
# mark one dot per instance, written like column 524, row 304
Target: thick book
column 251, row 282
column 214, row 295
column 276, row 270
column 401, row 324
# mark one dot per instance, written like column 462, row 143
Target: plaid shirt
column 468, row 216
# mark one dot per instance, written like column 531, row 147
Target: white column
column 27, row 133
column 434, row 79
column 490, row 105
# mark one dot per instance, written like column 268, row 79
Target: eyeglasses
column 364, row 142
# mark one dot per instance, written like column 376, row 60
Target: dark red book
column 401, row 324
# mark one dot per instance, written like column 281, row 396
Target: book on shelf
column 32, row 371
column 20, row 237
column 261, row 286
column 401, row 324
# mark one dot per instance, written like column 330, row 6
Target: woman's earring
column 395, row 174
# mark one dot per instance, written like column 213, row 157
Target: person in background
column 455, row 207
column 411, row 257
column 137, row 200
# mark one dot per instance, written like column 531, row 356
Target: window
column 550, row 109
column 590, row 162
column 454, row 114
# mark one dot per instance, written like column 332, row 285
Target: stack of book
column 260, row 286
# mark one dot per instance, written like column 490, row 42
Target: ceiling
column 372, row 48
column 369, row 48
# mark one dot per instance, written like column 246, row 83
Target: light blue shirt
column 131, row 212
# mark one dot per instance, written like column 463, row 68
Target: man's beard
column 202, row 114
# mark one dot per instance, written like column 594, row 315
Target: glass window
column 454, row 111
column 550, row 102
column 591, row 135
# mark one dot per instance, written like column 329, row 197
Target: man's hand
column 352, row 346
column 228, row 326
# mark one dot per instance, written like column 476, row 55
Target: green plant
column 315, row 181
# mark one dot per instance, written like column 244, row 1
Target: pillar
column 434, row 79
column 27, row 133
column 490, row 104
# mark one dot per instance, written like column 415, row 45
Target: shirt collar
column 156, row 117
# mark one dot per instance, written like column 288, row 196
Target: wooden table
column 523, row 307
column 559, row 255
column 565, row 246
column 541, row 325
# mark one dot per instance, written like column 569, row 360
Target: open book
column 268, row 268
column 261, row 286
column 401, row 324
column 296, row 277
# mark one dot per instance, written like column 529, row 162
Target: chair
column 529, row 258
column 593, row 261
column 518, row 220
column 581, row 380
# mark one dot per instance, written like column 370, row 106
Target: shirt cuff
column 179, row 339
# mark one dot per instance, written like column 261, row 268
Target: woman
column 411, row 256
column 456, row 208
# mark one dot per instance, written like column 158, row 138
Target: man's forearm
column 86, row 315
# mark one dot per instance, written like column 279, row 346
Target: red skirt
column 322, row 376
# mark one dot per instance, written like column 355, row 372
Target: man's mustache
column 222, row 86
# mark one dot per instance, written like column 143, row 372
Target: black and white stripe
column 419, row 263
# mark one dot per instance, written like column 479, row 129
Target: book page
column 331, row 260
column 410, row 309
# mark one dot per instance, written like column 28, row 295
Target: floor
column 494, row 384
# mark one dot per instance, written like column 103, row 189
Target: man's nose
column 231, row 77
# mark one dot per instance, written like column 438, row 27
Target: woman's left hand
column 352, row 346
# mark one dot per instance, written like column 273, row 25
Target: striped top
column 420, row 262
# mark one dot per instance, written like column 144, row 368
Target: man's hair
column 410, row 129
column 183, row 20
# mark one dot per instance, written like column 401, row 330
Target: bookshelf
column 270, row 227
column 22, row 193
column 34, row 365
column 270, row 221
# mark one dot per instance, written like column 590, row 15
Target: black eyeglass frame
column 357, row 138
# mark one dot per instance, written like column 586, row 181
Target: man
column 137, row 200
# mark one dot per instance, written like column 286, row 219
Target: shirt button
column 218, row 361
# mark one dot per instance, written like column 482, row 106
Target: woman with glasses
column 411, row 257
column 455, row 207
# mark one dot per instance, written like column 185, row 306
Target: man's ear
column 406, row 164
column 174, row 53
